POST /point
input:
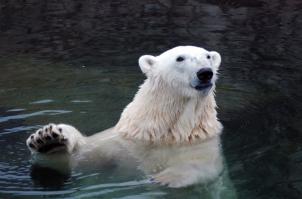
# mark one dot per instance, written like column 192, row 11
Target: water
column 76, row 63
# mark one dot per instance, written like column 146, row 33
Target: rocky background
column 259, row 35
column 69, row 29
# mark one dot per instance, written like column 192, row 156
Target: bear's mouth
column 203, row 86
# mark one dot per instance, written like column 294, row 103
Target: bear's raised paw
column 48, row 139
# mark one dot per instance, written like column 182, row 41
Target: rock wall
column 100, row 30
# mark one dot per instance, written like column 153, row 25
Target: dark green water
column 44, row 46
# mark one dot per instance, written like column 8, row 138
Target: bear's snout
column 205, row 75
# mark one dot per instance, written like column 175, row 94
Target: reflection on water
column 76, row 62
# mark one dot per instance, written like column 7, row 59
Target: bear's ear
column 216, row 58
column 146, row 63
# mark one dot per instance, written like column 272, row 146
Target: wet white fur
column 170, row 129
column 166, row 108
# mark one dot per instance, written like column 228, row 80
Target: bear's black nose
column 205, row 75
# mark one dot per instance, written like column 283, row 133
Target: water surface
column 76, row 63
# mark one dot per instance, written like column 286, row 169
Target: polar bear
column 169, row 131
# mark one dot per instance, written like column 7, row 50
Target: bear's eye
column 208, row 57
column 180, row 59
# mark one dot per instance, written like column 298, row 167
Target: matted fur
column 169, row 131
column 160, row 115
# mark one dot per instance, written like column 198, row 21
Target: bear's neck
column 158, row 115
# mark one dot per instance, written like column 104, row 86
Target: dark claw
column 40, row 132
column 54, row 135
column 60, row 129
column 40, row 141
column 31, row 145
column 32, row 137
column 48, row 137
column 46, row 130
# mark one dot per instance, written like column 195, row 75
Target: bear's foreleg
column 54, row 138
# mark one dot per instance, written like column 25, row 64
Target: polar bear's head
column 189, row 70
